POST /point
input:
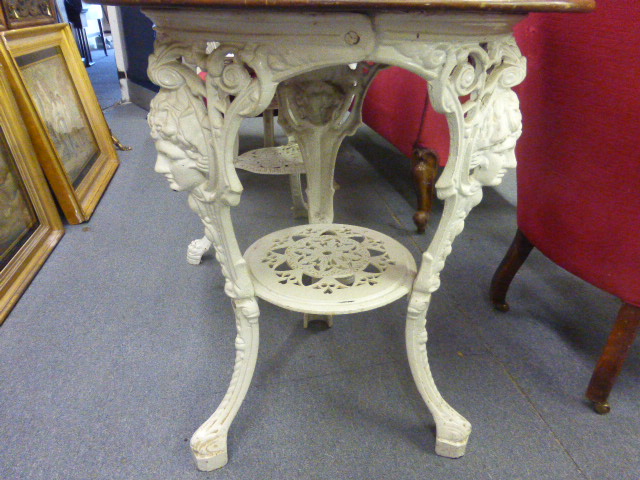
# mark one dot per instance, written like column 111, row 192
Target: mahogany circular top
column 507, row 6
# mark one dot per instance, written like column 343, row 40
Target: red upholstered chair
column 579, row 163
column 578, row 159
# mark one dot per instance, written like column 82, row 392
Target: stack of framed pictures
column 52, row 126
column 30, row 226
column 62, row 113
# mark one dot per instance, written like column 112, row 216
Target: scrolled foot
column 602, row 407
column 209, row 451
column 453, row 435
column 197, row 249
column 312, row 317
column 446, row 448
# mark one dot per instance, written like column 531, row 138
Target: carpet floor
column 119, row 349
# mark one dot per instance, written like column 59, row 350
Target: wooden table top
column 507, row 6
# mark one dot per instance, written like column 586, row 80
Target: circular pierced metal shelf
column 330, row 269
column 285, row 159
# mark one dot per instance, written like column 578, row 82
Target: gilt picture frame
column 3, row 21
column 30, row 226
column 28, row 13
column 63, row 115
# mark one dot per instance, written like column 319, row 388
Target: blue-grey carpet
column 119, row 350
column 104, row 78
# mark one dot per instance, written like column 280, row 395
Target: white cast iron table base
column 322, row 64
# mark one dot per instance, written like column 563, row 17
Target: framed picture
column 28, row 13
column 3, row 21
column 64, row 118
column 30, row 226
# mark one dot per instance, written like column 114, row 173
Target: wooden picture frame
column 3, row 21
column 29, row 13
column 64, row 118
column 30, row 226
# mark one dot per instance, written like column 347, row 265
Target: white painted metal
column 471, row 62
column 330, row 269
column 320, row 108
column 196, row 249
column 281, row 160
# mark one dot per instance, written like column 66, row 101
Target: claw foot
column 196, row 249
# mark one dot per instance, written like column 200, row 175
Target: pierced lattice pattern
column 328, row 259
column 330, row 268
column 282, row 160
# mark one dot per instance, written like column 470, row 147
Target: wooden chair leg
column 516, row 255
column 613, row 357
column 424, row 169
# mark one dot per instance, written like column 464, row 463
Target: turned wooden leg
column 613, row 357
column 424, row 169
column 516, row 255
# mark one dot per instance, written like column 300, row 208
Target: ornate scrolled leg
column 471, row 84
column 314, row 108
column 194, row 140
column 452, row 429
column 299, row 206
column 209, row 442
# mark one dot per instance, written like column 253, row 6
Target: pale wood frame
column 25, row 263
column 77, row 203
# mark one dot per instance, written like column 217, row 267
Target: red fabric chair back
column 579, row 155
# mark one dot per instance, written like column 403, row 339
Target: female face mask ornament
column 497, row 142
column 180, row 139
column 182, row 173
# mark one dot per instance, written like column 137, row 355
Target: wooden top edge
column 506, row 6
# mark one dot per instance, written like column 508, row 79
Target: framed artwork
column 28, row 13
column 30, row 226
column 62, row 113
column 3, row 21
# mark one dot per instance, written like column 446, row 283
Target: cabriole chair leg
column 424, row 169
column 613, row 357
column 516, row 255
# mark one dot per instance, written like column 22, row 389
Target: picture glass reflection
column 17, row 218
